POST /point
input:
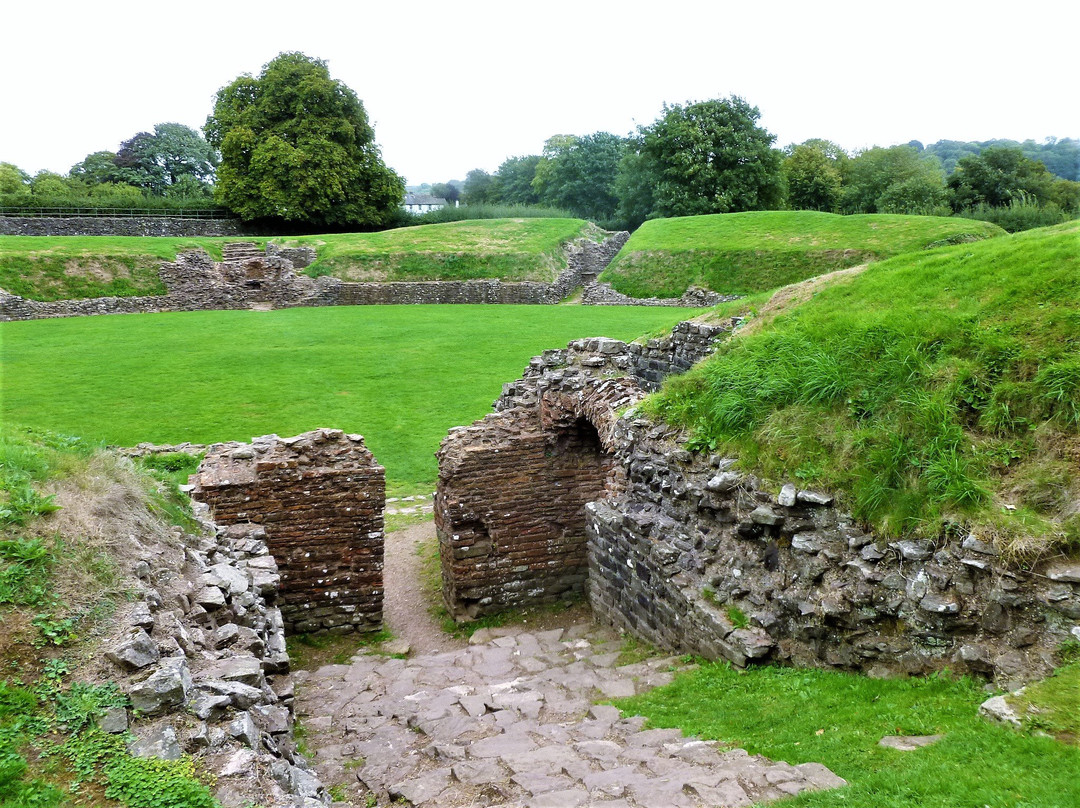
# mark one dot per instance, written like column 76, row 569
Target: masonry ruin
column 320, row 498
column 687, row 552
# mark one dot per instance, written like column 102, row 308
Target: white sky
column 452, row 86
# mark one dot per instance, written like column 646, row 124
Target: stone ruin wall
column 320, row 497
column 194, row 282
column 510, row 510
column 120, row 226
column 693, row 555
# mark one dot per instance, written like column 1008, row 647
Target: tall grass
column 463, row 212
column 1020, row 214
column 923, row 389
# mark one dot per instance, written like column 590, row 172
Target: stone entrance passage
column 320, row 497
column 510, row 509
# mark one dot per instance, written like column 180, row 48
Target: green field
column 837, row 719
column 741, row 253
column 511, row 249
column 399, row 375
column 932, row 390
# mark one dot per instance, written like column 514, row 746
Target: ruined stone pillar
column 320, row 496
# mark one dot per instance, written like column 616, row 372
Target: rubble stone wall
column 118, row 226
column 320, row 497
column 691, row 554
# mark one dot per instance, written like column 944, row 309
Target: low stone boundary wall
column 693, row 555
column 320, row 497
column 119, row 226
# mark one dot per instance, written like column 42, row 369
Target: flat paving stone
column 509, row 720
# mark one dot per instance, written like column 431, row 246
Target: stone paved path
column 509, row 720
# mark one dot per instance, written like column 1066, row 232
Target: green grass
column 837, row 719
column 741, row 253
column 1052, row 705
column 511, row 249
column 399, row 375
column 52, row 268
column 930, row 391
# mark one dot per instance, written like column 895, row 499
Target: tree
column 516, row 180
column 996, row 176
column 296, row 145
column 580, row 174
column 446, row 190
column 813, row 171
column 480, row 188
column 13, row 180
column 96, row 168
column 892, row 180
column 172, row 155
column 711, row 157
column 49, row 183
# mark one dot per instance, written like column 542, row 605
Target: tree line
column 713, row 157
column 294, row 146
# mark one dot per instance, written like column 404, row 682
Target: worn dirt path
column 405, row 603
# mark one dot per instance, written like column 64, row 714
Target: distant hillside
column 742, row 253
column 1061, row 157
column 938, row 391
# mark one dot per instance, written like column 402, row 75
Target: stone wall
column 510, row 511
column 119, row 226
column 320, row 498
column 602, row 294
column 693, row 555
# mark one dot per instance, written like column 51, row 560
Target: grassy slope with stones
column 68, row 267
column 67, row 511
column 938, row 391
column 741, row 253
column 510, row 249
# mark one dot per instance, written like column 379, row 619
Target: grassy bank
column 511, row 249
column 399, row 375
column 61, row 579
column 62, row 268
column 937, row 391
column 837, row 719
column 741, row 253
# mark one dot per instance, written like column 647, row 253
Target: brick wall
column 320, row 497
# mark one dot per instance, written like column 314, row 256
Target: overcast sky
column 452, row 86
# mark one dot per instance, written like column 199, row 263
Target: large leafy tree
column 998, row 175
column 892, row 180
column 481, row 188
column 296, row 145
column 516, row 176
column 174, row 157
column 710, row 157
column 813, row 171
column 579, row 174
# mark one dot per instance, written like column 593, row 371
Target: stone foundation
column 320, row 498
column 695, row 556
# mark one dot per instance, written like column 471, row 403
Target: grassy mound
column 399, row 375
column 741, row 253
column 69, row 267
column 510, row 249
column 938, row 391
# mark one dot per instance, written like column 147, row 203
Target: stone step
column 236, row 252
